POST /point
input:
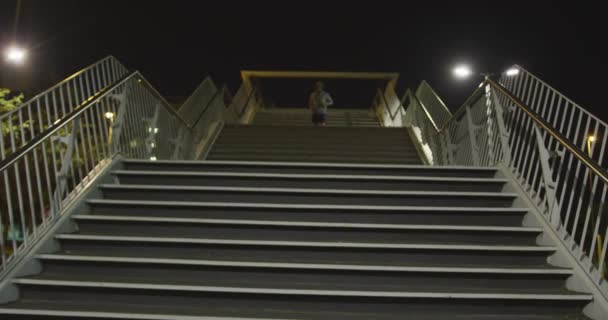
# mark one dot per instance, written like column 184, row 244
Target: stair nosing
column 308, row 191
column 312, row 164
column 305, row 176
column 305, row 292
column 304, row 224
column 117, row 315
column 311, row 266
column 326, row 244
column 304, row 206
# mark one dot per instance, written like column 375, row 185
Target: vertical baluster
column 93, row 123
column 16, row 167
column 591, row 190
column 46, row 165
column 7, row 194
column 527, row 124
column 28, row 178
column 518, row 127
column 598, row 220
column 139, row 116
column 78, row 143
column 87, row 124
column 67, row 126
column 101, row 120
column 581, row 193
column 103, row 125
column 37, row 172
column 603, row 254
column 570, row 162
column 127, row 123
column 2, row 244
column 104, row 76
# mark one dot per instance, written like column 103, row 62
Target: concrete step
column 310, row 168
column 312, row 149
column 273, row 180
column 392, row 254
column 219, row 273
column 275, row 230
column 307, row 196
column 77, row 309
column 292, row 303
column 313, row 144
column 315, row 158
column 455, row 216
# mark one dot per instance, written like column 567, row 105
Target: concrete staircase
column 315, row 144
column 302, row 117
column 227, row 240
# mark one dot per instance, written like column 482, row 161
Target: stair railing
column 40, row 112
column 244, row 104
column 494, row 127
column 388, row 108
column 43, row 176
column 584, row 129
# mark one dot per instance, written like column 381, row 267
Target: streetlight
column 15, row 55
column 512, row 72
column 463, row 71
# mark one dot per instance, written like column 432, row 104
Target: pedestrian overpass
column 114, row 205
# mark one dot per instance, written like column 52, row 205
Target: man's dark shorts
column 318, row 118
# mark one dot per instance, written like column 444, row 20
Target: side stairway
column 301, row 117
column 236, row 240
column 315, row 144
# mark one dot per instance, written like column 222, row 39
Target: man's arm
column 327, row 100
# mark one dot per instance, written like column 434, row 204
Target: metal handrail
column 62, row 82
column 164, row 101
column 565, row 142
column 383, row 96
column 456, row 115
column 564, row 97
column 22, row 151
column 244, row 109
column 436, row 95
column 428, row 114
column 221, row 91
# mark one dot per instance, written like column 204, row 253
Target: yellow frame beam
column 246, row 75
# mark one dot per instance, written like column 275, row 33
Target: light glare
column 462, row 71
column 15, row 55
column 512, row 72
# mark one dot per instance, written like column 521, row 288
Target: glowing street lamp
column 15, row 55
column 462, row 71
column 512, row 72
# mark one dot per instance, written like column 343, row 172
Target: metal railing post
column 472, row 129
column 502, row 129
column 152, row 129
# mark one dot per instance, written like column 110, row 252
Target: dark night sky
column 175, row 44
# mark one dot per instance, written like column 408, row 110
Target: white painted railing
column 495, row 127
column 585, row 130
column 39, row 178
column 42, row 111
